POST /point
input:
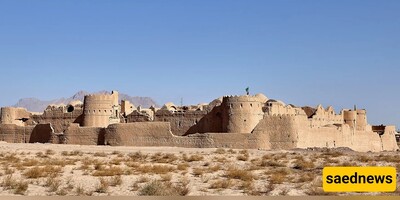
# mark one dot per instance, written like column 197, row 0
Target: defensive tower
column 241, row 114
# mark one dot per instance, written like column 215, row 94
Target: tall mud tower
column 241, row 114
column 100, row 109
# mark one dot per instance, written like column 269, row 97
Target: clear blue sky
column 338, row 53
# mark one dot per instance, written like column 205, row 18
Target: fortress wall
column 59, row 119
column 180, row 122
column 388, row 139
column 83, row 135
column 139, row 134
column 13, row 133
column 42, row 133
column 344, row 136
column 136, row 116
column 330, row 136
column 11, row 115
column 276, row 132
column 158, row 134
column 366, row 141
column 210, row 123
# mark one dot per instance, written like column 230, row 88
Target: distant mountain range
column 37, row 105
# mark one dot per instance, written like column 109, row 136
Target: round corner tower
column 349, row 117
column 241, row 114
column 97, row 110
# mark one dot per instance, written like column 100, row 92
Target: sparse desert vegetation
column 58, row 170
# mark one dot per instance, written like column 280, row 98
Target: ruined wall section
column 137, row 116
column 59, row 117
column 127, row 107
column 241, row 114
column 11, row 115
column 323, row 117
column 42, row 133
column 180, row 122
column 76, row 134
column 388, row 139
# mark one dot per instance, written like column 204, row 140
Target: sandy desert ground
column 57, row 170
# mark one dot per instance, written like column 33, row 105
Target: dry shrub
column 220, row 151
column 219, row 159
column 155, row 169
column 53, row 184
column 329, row 161
column 41, row 155
column 49, row 152
column 21, row 187
column 116, row 161
column 143, row 179
column 271, row 163
column 163, row 158
column 137, row 156
column 183, row 166
column 100, row 154
column 116, row 152
column 243, row 157
column 364, row 159
column 221, row 184
column 111, row 171
column 103, row 185
column 235, row 173
column 166, row 177
column 37, row 172
column 277, row 178
column 231, row 151
column 388, row 158
column 61, row 192
column 315, row 188
column 72, row 153
column 302, row 164
column 12, row 158
column 79, row 190
column 8, row 170
column 306, row 177
column 115, row 181
column 198, row 172
column 214, row 168
column 158, row 188
column 244, row 151
column 348, row 164
column 30, row 162
column 59, row 162
column 8, row 182
column 192, row 158
column 332, row 153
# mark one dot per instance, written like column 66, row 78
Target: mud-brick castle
column 249, row 122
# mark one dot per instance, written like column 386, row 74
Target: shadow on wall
column 42, row 133
column 211, row 123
